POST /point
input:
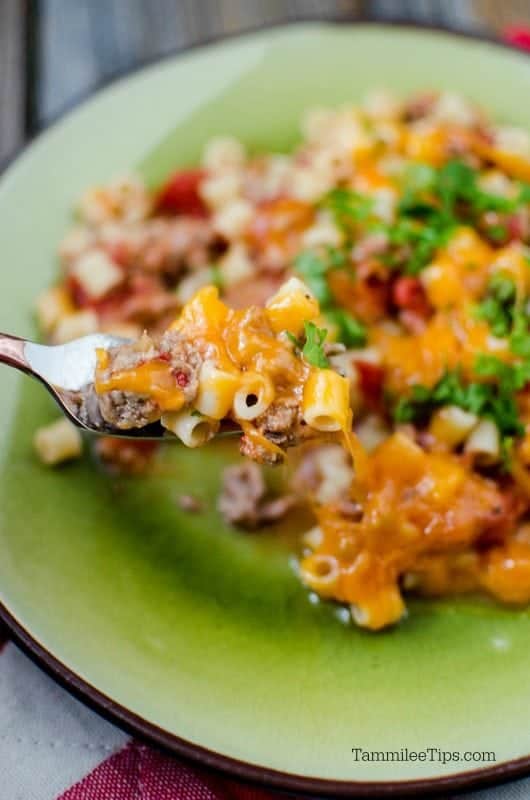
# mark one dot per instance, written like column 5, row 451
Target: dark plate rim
column 171, row 743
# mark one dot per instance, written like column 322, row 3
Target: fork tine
column 67, row 369
column 69, row 366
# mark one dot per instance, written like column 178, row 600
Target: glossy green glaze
column 201, row 630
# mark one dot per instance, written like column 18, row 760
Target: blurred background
column 54, row 52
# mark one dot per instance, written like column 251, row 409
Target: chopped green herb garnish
column 313, row 268
column 313, row 350
column 292, row 338
column 497, row 233
column 336, row 257
column 420, row 240
column 524, row 194
column 350, row 332
column 418, row 184
column 498, row 307
column 349, row 208
column 511, row 377
column 507, row 443
column 458, row 184
column 216, row 277
column 311, row 344
column 419, row 178
column 506, row 318
column 433, row 202
column 491, row 400
column 520, row 336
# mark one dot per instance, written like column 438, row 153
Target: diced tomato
column 80, row 298
column 182, row 379
column 517, row 225
column 110, row 306
column 142, row 299
column 371, row 378
column 104, row 306
column 408, row 293
column 120, row 252
column 503, row 517
column 180, row 195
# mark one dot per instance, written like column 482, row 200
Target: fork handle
column 12, row 352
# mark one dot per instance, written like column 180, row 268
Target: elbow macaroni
column 291, row 306
column 247, row 366
column 58, row 442
column 217, row 388
column 326, row 403
column 192, row 429
column 254, row 396
column 321, row 573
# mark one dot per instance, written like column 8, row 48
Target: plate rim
column 214, row 761
column 119, row 714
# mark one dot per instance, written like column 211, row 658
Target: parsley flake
column 498, row 307
column 493, row 400
column 313, row 268
column 311, row 346
column 350, row 331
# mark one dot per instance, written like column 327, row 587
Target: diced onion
column 484, row 443
column 451, row 425
column 61, row 441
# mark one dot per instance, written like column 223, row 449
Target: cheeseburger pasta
column 370, row 288
column 215, row 364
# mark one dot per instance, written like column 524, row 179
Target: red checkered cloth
column 53, row 748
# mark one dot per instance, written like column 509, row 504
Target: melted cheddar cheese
column 153, row 379
column 248, row 364
column 416, row 505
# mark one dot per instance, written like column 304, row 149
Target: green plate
column 192, row 634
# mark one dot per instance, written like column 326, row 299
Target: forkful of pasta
column 259, row 372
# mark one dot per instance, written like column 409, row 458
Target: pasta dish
column 370, row 289
column 215, row 364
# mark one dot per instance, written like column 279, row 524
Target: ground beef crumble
column 281, row 423
column 125, row 456
column 257, row 452
column 127, row 410
column 244, row 498
column 185, row 362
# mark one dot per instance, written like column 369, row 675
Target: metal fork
column 65, row 370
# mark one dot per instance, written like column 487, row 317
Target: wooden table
column 53, row 52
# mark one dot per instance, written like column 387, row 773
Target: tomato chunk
column 408, row 293
column 371, row 378
column 180, row 195
column 79, row 296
